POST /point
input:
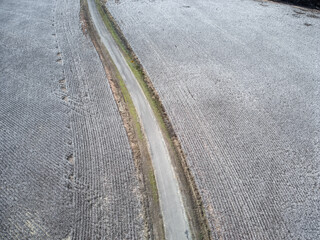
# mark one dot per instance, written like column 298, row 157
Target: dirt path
column 175, row 221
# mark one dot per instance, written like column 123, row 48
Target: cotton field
column 67, row 170
column 240, row 83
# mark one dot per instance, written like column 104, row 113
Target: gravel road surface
column 240, row 82
column 67, row 170
column 173, row 212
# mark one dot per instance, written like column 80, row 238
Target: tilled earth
column 240, row 82
column 67, row 170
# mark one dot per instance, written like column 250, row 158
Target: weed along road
column 174, row 215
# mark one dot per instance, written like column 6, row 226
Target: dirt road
column 174, row 216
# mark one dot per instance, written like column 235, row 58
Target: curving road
column 174, row 217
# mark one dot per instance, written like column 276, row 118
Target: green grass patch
column 153, row 185
column 130, row 105
column 110, row 26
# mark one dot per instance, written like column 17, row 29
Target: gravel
column 67, row 170
column 240, row 82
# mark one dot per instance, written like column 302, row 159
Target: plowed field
column 67, row 170
column 240, row 82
